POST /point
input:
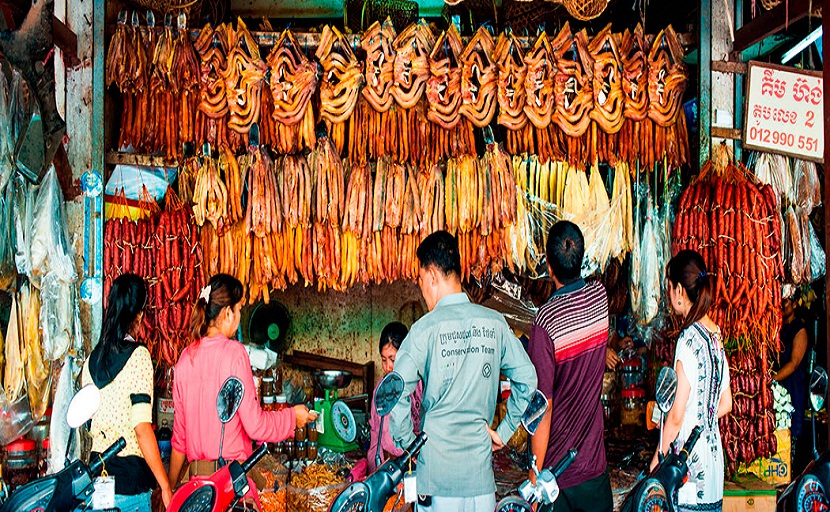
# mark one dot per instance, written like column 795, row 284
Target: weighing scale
column 336, row 424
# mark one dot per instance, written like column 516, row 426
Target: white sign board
column 785, row 111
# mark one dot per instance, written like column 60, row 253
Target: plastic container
column 633, row 407
column 631, row 373
column 20, row 463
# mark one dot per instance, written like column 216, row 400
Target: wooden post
column 825, row 42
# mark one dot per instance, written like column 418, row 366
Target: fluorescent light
column 804, row 43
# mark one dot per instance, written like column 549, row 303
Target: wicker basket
column 521, row 15
column 360, row 14
column 198, row 11
column 585, row 10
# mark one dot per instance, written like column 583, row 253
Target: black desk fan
column 269, row 325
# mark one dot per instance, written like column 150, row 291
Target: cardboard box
column 776, row 469
column 748, row 494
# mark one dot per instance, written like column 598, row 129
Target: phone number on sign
column 783, row 138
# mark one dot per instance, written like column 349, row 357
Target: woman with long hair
column 391, row 338
column 203, row 367
column 703, row 391
column 122, row 370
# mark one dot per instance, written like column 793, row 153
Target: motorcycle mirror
column 534, row 412
column 818, row 388
column 388, row 393
column 666, row 388
column 83, row 405
column 229, row 399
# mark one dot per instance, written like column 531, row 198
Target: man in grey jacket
column 458, row 349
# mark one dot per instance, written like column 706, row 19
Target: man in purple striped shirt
column 567, row 347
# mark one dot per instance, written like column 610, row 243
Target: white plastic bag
column 50, row 251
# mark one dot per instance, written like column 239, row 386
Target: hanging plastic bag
column 650, row 273
column 50, row 251
column 6, row 141
column 59, row 316
column 21, row 199
column 59, row 431
column 8, row 270
column 807, row 187
column 818, row 263
column 796, row 247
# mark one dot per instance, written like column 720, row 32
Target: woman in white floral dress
column 703, row 391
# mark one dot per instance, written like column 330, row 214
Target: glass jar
column 268, row 386
column 311, row 432
column 281, row 402
column 299, row 446
column 610, row 409
column 290, row 449
column 633, row 407
column 300, row 434
column 311, row 451
column 268, row 404
column 20, row 463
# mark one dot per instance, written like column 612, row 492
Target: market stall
column 309, row 162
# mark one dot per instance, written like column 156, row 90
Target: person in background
column 703, row 391
column 568, row 348
column 458, row 350
column 202, row 369
column 390, row 342
column 794, row 364
column 122, row 370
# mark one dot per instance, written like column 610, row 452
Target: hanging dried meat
column 329, row 200
column 293, row 81
column 511, row 90
column 666, row 78
column 412, row 48
column 607, row 86
column 539, row 81
column 356, row 225
column 213, row 98
column 573, row 86
column 444, row 85
column 635, row 74
column 479, row 79
column 244, row 80
column 341, row 83
column 379, row 69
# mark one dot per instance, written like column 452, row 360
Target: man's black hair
column 565, row 249
column 441, row 250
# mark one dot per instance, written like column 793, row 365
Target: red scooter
column 222, row 490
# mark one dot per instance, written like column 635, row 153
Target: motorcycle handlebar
column 564, row 462
column 96, row 465
column 416, row 445
column 251, row 461
column 690, row 442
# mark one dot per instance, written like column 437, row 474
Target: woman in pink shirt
column 199, row 374
column 390, row 341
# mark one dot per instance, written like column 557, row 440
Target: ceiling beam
column 770, row 22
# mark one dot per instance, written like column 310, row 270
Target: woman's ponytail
column 688, row 269
column 221, row 291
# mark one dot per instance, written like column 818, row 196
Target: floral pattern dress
column 704, row 363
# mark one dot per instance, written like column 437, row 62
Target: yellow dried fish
column 38, row 374
column 13, row 380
